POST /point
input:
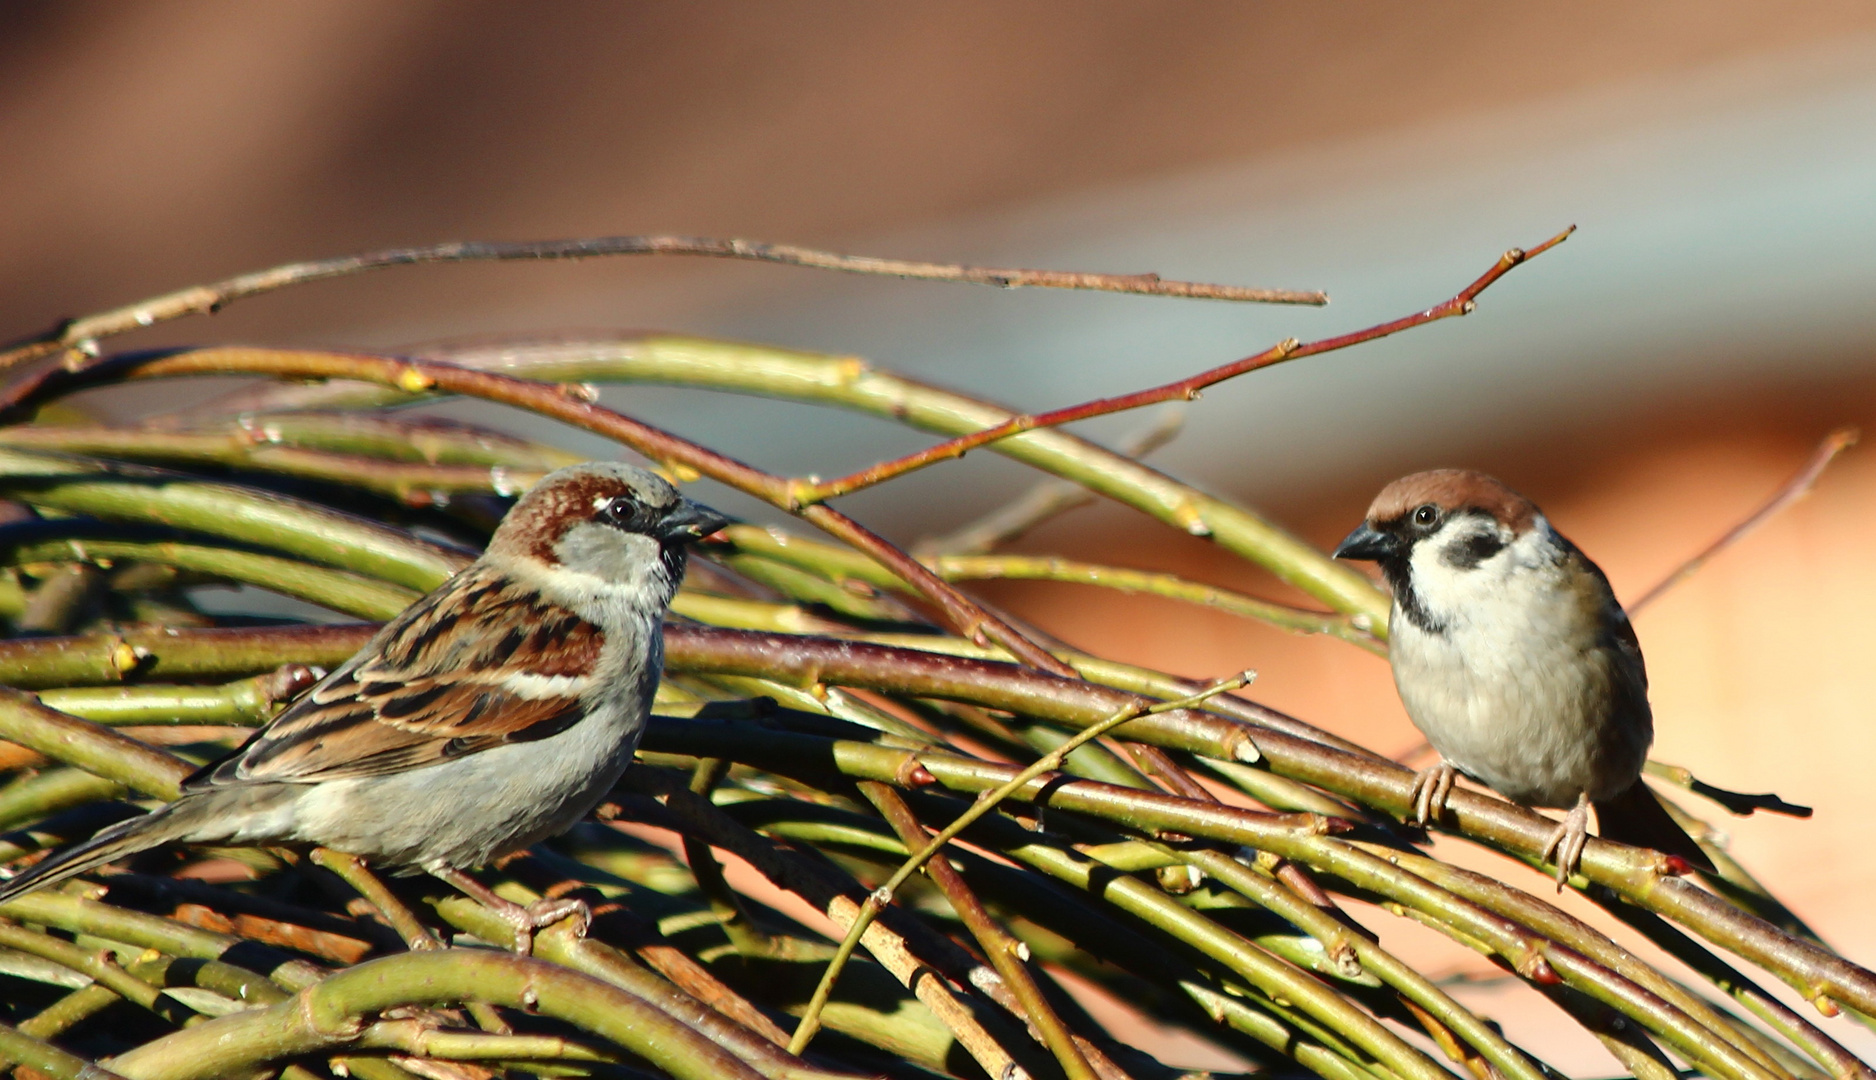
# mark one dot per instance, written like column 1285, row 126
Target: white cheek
column 1496, row 591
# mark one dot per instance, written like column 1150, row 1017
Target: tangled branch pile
column 829, row 704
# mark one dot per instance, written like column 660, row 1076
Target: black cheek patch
column 1468, row 553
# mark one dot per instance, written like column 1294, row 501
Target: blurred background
column 1647, row 382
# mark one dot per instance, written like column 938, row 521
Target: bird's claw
column 1565, row 846
column 1432, row 787
column 542, row 914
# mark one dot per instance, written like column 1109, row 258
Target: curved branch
column 1186, row 389
column 208, row 299
column 572, row 405
column 334, row 1014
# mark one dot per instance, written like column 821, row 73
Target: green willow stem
column 1170, row 586
column 851, row 598
column 352, row 594
column 570, row 405
column 147, row 496
column 598, row 960
column 843, row 566
column 1049, row 762
column 1004, row 952
column 906, row 949
column 408, row 482
column 1637, row 875
column 48, row 1059
column 851, row 383
column 67, row 1012
column 352, row 870
column 1526, row 952
column 92, row 747
column 1409, row 983
column 331, row 1014
column 427, row 440
column 112, row 658
column 422, row 1040
column 1547, row 919
column 752, row 614
column 103, row 972
column 243, row 703
column 79, row 916
column 53, row 790
column 1260, row 969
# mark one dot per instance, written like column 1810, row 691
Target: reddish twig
column 208, row 299
column 1789, row 492
column 1640, row 876
column 568, row 404
column 1186, row 389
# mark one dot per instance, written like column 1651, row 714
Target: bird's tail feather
column 114, row 842
column 1637, row 817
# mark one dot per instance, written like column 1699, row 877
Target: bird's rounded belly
column 1524, row 728
column 467, row 811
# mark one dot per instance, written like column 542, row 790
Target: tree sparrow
column 1515, row 660
column 489, row 715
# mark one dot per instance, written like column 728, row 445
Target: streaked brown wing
column 438, row 682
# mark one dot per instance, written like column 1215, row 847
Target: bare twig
column 1789, row 492
column 1186, row 389
column 352, row 870
column 1049, row 762
column 570, row 404
column 1638, row 875
column 847, row 382
column 1046, row 500
column 852, row 572
column 1735, row 801
column 208, row 299
column 1005, row 953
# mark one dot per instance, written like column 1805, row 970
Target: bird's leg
column 524, row 920
column 1431, row 787
column 1568, row 841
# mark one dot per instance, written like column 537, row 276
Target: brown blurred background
column 1647, row 382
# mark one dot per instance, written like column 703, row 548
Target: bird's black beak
column 688, row 522
column 1367, row 543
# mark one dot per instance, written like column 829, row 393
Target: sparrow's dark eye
column 621, row 511
column 1426, row 515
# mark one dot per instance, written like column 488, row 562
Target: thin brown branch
column 1005, row 953
column 208, row 299
column 1046, row 500
column 1641, row 876
column 1186, row 389
column 570, row 405
column 352, row 870
column 906, row 948
column 1789, row 492
column 880, row 897
column 1738, row 802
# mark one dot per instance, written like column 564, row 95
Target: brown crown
column 1452, row 490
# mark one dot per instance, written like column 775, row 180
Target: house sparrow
column 1515, row 660
column 489, row 715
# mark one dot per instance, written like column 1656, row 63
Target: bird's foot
column 1431, row 788
column 541, row 914
column 523, row 920
column 1567, row 843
